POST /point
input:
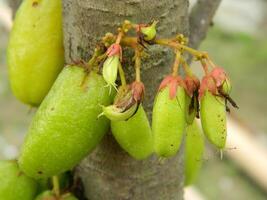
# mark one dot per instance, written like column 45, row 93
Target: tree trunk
column 109, row 173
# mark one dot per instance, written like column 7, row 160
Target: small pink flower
column 209, row 84
column 173, row 82
column 219, row 76
column 192, row 84
column 138, row 90
column 114, row 49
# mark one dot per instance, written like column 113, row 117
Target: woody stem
column 204, row 66
column 137, row 65
column 122, row 76
column 56, row 189
column 176, row 63
column 186, row 68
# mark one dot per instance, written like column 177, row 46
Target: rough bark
column 109, row 173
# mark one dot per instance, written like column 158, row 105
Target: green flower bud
column 149, row 31
column 110, row 70
column 226, row 87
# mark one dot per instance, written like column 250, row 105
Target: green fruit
column 168, row 122
column 66, row 127
column 14, row 185
column 194, row 148
column 213, row 119
column 69, row 196
column 35, row 50
column 134, row 135
column 46, row 195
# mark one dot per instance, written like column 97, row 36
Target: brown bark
column 109, row 173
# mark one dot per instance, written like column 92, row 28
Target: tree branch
column 200, row 20
column 14, row 4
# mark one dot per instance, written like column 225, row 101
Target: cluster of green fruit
column 77, row 105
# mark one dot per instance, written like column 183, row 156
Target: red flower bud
column 114, row 49
column 173, row 82
column 192, row 84
column 138, row 90
column 209, row 84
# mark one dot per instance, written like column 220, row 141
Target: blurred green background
column 237, row 42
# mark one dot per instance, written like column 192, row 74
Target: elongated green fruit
column 194, row 148
column 35, row 49
column 213, row 119
column 117, row 114
column 14, row 184
column 134, row 135
column 168, row 122
column 66, row 127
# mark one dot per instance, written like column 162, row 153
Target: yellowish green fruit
column 213, row 119
column 134, row 135
column 66, row 126
column 35, row 50
column 48, row 195
column 168, row 122
column 14, row 184
column 194, row 148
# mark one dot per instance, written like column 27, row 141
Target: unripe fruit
column 168, row 121
column 69, row 197
column 14, row 185
column 35, row 50
column 134, row 135
column 48, row 195
column 194, row 148
column 66, row 127
column 213, row 118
